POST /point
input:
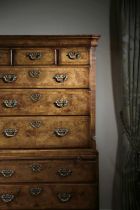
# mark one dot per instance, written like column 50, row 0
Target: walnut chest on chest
column 48, row 157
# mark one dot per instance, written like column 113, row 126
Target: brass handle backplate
column 64, row 172
column 35, row 97
column 10, row 103
column 10, row 132
column 60, row 78
column 64, row 196
column 60, row 103
column 7, row 198
column 61, row 132
column 34, row 73
column 35, row 191
column 7, row 172
column 73, row 55
column 8, row 78
column 34, row 55
column 36, row 167
column 35, row 124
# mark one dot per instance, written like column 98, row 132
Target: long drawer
column 44, row 102
column 48, row 196
column 48, row 171
column 44, row 77
column 44, row 132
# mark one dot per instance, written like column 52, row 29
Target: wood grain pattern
column 77, row 77
column 78, row 102
column 83, row 196
column 49, row 41
column 38, row 75
column 4, row 57
column 92, row 85
column 82, row 60
column 51, row 154
column 79, row 171
column 21, row 56
column 45, row 136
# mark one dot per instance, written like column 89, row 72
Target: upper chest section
column 46, row 50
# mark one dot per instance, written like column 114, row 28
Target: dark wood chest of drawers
column 48, row 157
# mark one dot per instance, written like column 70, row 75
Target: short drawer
column 48, row 196
column 74, row 56
column 48, row 171
column 4, row 57
column 34, row 56
column 44, row 102
column 45, row 132
column 46, row 77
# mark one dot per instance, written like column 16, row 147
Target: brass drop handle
column 8, row 78
column 64, row 172
column 7, row 172
column 60, row 103
column 7, row 198
column 60, row 78
column 34, row 55
column 10, row 132
column 64, row 196
column 10, row 103
column 35, row 191
column 73, row 55
column 60, row 132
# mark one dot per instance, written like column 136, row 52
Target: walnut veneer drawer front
column 46, row 77
column 48, row 171
column 48, row 196
column 31, row 56
column 74, row 56
column 4, row 57
column 44, row 102
column 44, row 132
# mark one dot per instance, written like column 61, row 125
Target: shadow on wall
column 117, row 93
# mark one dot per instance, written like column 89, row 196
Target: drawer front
column 44, row 102
column 48, row 171
column 33, row 56
column 46, row 77
column 48, row 196
column 4, row 57
column 74, row 56
column 44, row 132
